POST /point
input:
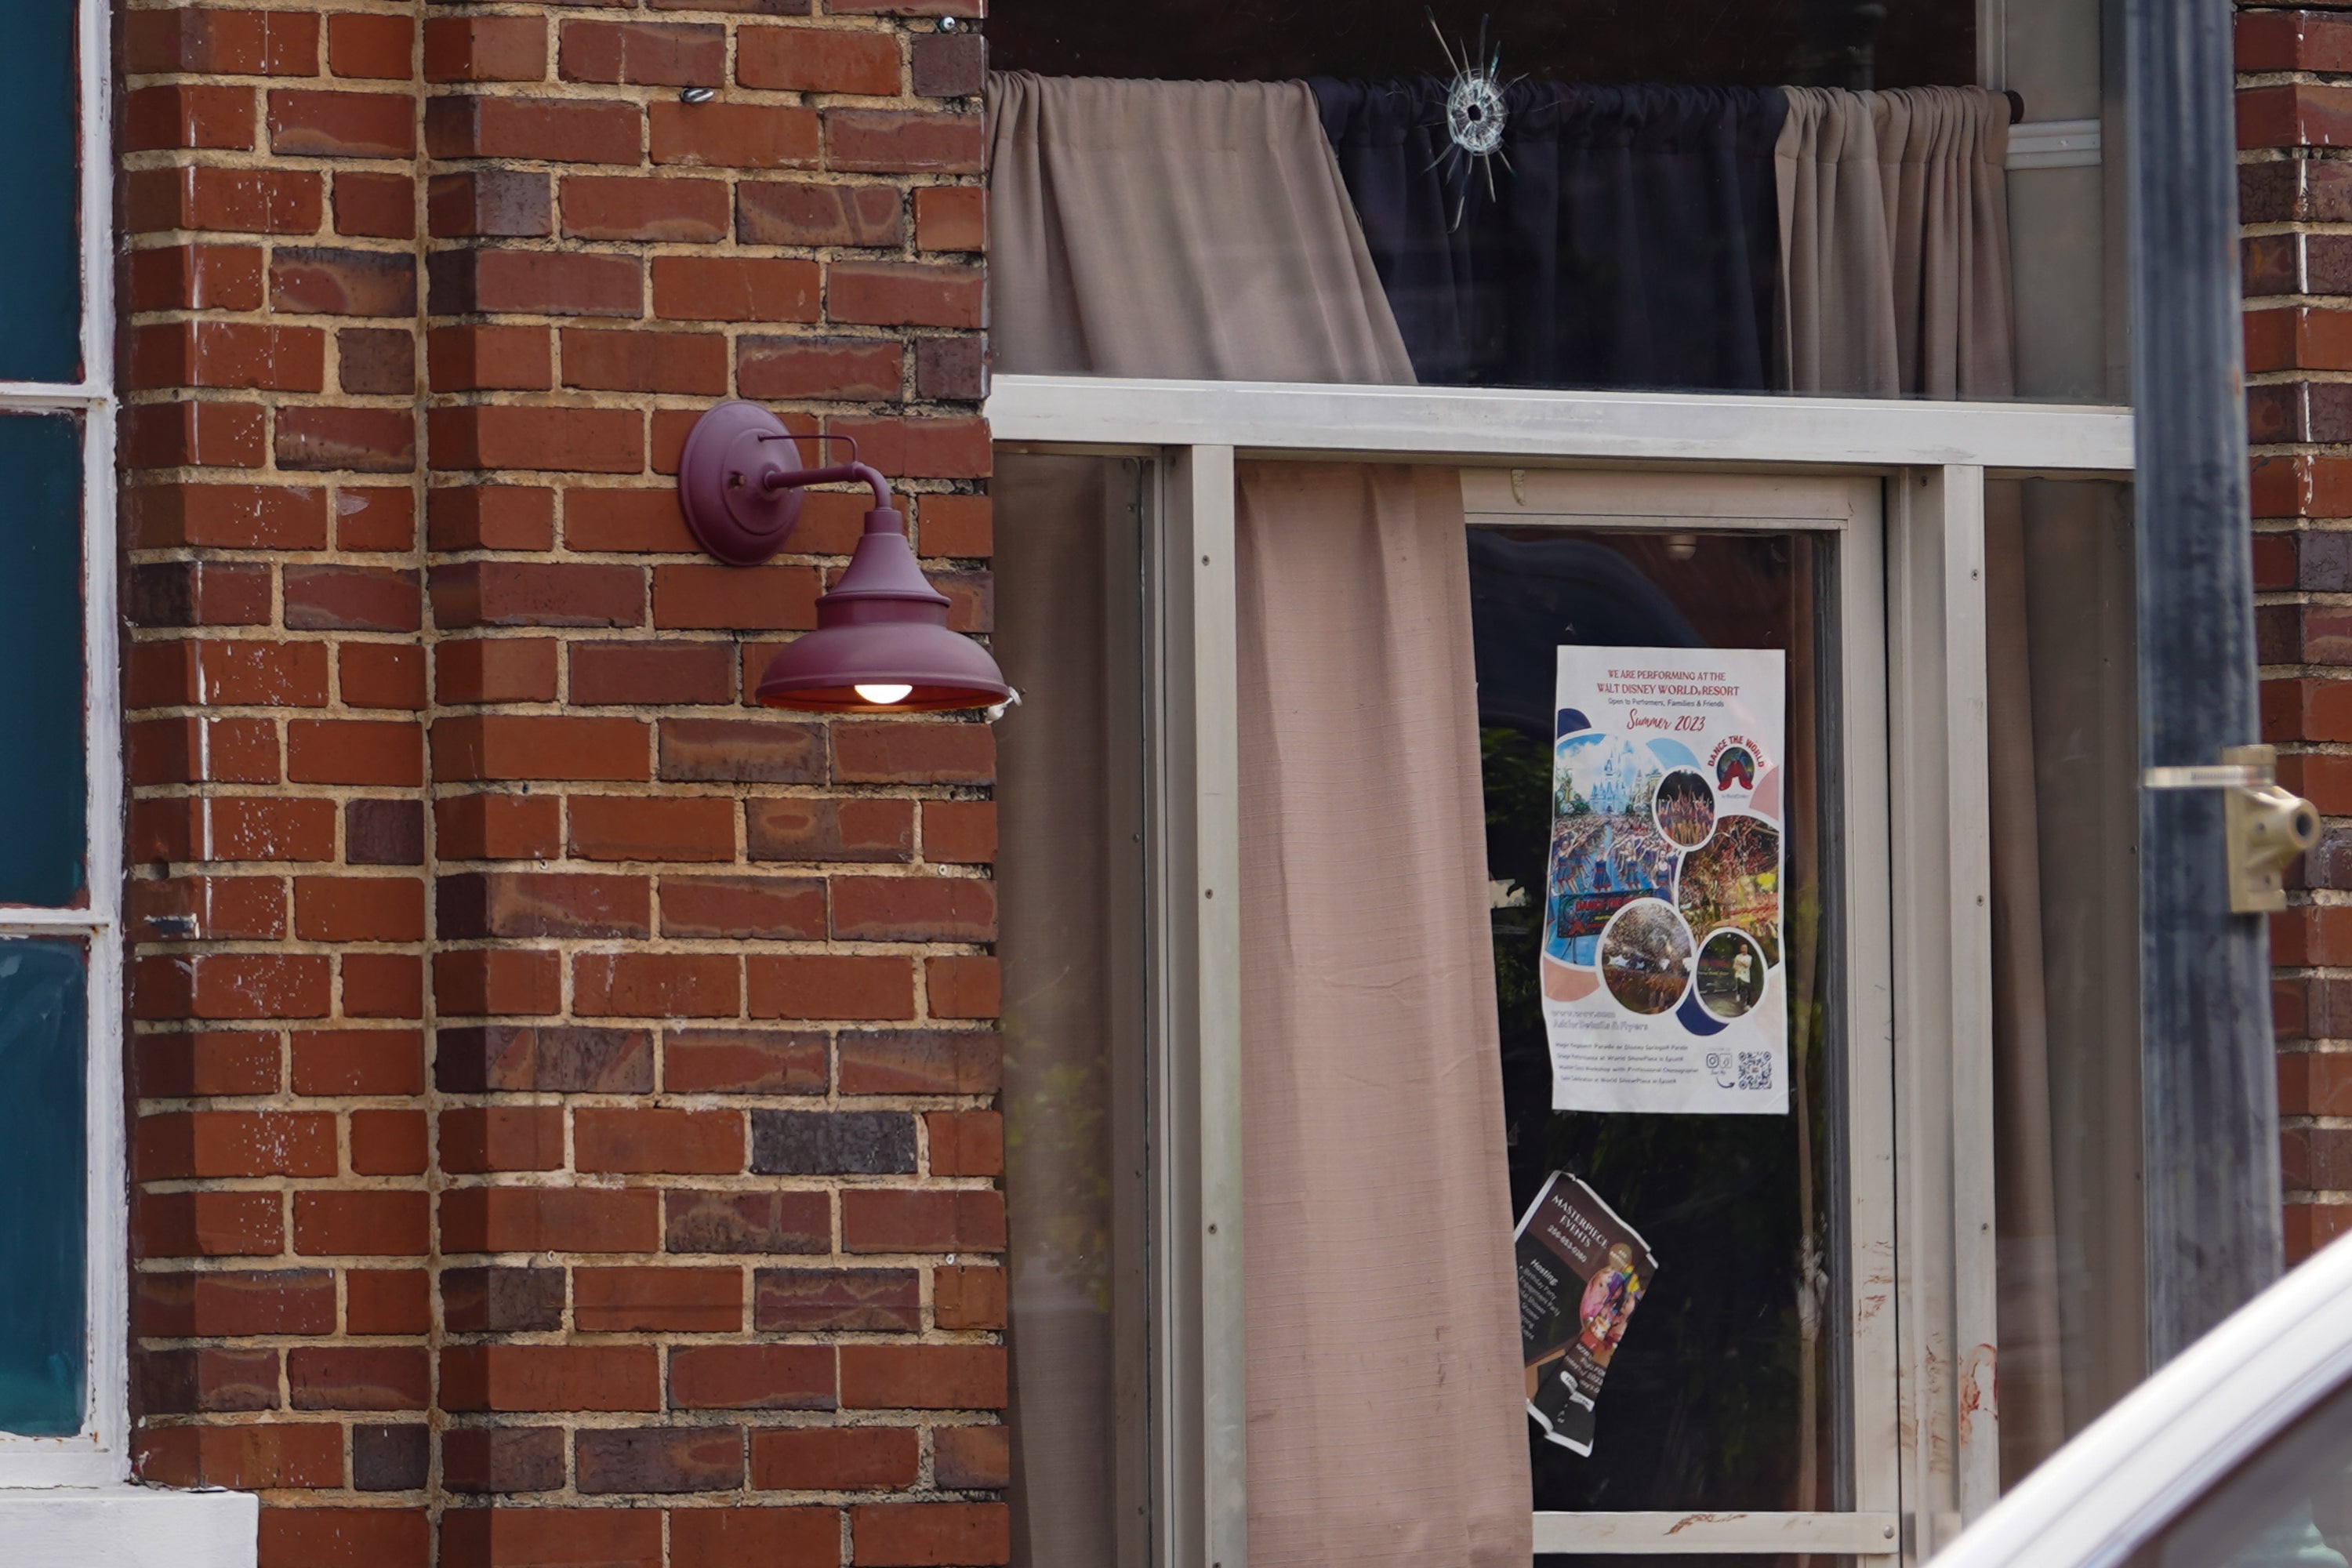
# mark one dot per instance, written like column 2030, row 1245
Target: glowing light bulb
column 884, row 694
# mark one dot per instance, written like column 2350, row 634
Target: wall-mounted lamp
column 881, row 642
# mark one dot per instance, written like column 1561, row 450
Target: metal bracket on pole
column 2265, row 824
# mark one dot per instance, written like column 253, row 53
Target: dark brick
column 847, row 1300
column 502, row 1458
column 828, row 1142
column 747, row 1221
column 569, row 1060
column 661, row 1459
column 502, row 1300
column 483, row 204
column 391, row 1459
column 950, row 65
column 383, row 833
column 954, row 369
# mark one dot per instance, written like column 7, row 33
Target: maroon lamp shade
column 882, row 642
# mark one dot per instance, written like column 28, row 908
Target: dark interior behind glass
column 1726, row 1392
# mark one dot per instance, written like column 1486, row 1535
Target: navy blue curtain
column 1631, row 236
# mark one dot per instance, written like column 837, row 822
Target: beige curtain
column 1385, row 1395
column 1895, row 243
column 1195, row 230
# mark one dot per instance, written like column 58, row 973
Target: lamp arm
column 778, row 478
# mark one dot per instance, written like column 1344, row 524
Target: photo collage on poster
column 1663, row 976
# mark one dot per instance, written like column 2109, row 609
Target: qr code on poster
column 1755, row 1069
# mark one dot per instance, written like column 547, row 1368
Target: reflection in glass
column 40, row 267
column 43, row 1011
column 1723, row 1396
column 42, row 779
column 1070, row 895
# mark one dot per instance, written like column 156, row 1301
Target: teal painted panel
column 44, row 1205
column 43, row 778
column 40, row 190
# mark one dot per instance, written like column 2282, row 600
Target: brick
column 230, row 909
column 632, row 827
column 501, row 670
column 198, row 594
column 359, row 908
column 516, row 746
column 855, row 1301
column 484, row 48
column 477, row 982
column 558, row 130
column 743, row 908
column 756, row 1222
column 187, row 115
column 923, row 1377
column 501, row 1300
column 543, row 904
column 307, row 1454
column 817, row 829
column 896, row 141
column 660, row 1459
column 949, row 65
column 181, row 1382
column 358, row 1061
column 490, row 517
column 498, row 827
column 475, row 594
column 226, row 674
column 201, row 750
column 747, row 751
column 964, row 1298
column 207, row 42
column 236, row 1303
column 645, row 54
column 509, row 1219
column 965, row 1142
column 353, row 598
column 951, row 369
column 955, row 449
column 551, row 1538
column 210, row 1225
column 796, row 212
column 341, row 1377
column 575, row 440
column 232, row 985
column 378, row 675
column 818, row 60
column 834, row 1460
column 899, row 293
column 370, row 440
column 534, row 282
column 354, row 752
column 371, row 46
column 188, row 435
column 881, row 1220
column 374, row 205
column 890, row 752
column 744, row 1061
column 728, row 1538
column 359, row 1224
column 342, row 1538
column 634, row 520
column 391, row 1459
column 212, row 1061
column 974, row 1459
column 2295, row 114
column 477, row 1139
column 639, row 361
column 551, row 1377
column 479, row 1460
column 233, row 200
column 751, row 1377
column 342, row 124
column 960, row 832
column 506, row 204
column 387, row 1301
column 382, row 985
column 734, row 288
column 702, row 597
column 950, row 218
column 658, row 1140
column 231, row 354
column 829, row 1142
column 568, row 1059
column 319, row 280
column 830, row 986
column 377, row 362
column 890, row 1535
column 734, row 135
column 182, row 1144
column 859, row 368
column 672, row 1299
column 671, row 209
column 914, row 908
column 195, row 278
column 644, row 674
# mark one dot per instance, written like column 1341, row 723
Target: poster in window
column 1664, row 985
column 1582, row 1270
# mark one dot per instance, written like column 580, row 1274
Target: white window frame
column 1933, row 460
column 99, row 1454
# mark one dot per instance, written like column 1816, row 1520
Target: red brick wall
column 2295, row 114
column 563, row 1120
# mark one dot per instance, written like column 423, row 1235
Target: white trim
column 1853, row 1534
column 1622, row 426
column 100, row 1454
column 130, row 1527
column 2055, row 144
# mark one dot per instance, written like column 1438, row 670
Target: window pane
column 2288, row 1507
column 43, row 782
column 1070, row 899
column 43, row 1022
column 1723, row 1394
column 40, row 267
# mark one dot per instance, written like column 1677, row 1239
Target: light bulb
column 884, row 694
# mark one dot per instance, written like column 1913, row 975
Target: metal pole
column 2208, row 1094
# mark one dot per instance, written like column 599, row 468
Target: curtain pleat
column 1192, row 230
column 1385, row 1396
column 1895, row 243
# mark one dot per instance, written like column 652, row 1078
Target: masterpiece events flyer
column 1582, row 1270
column 1663, row 973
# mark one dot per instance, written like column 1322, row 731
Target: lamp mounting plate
column 729, row 511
